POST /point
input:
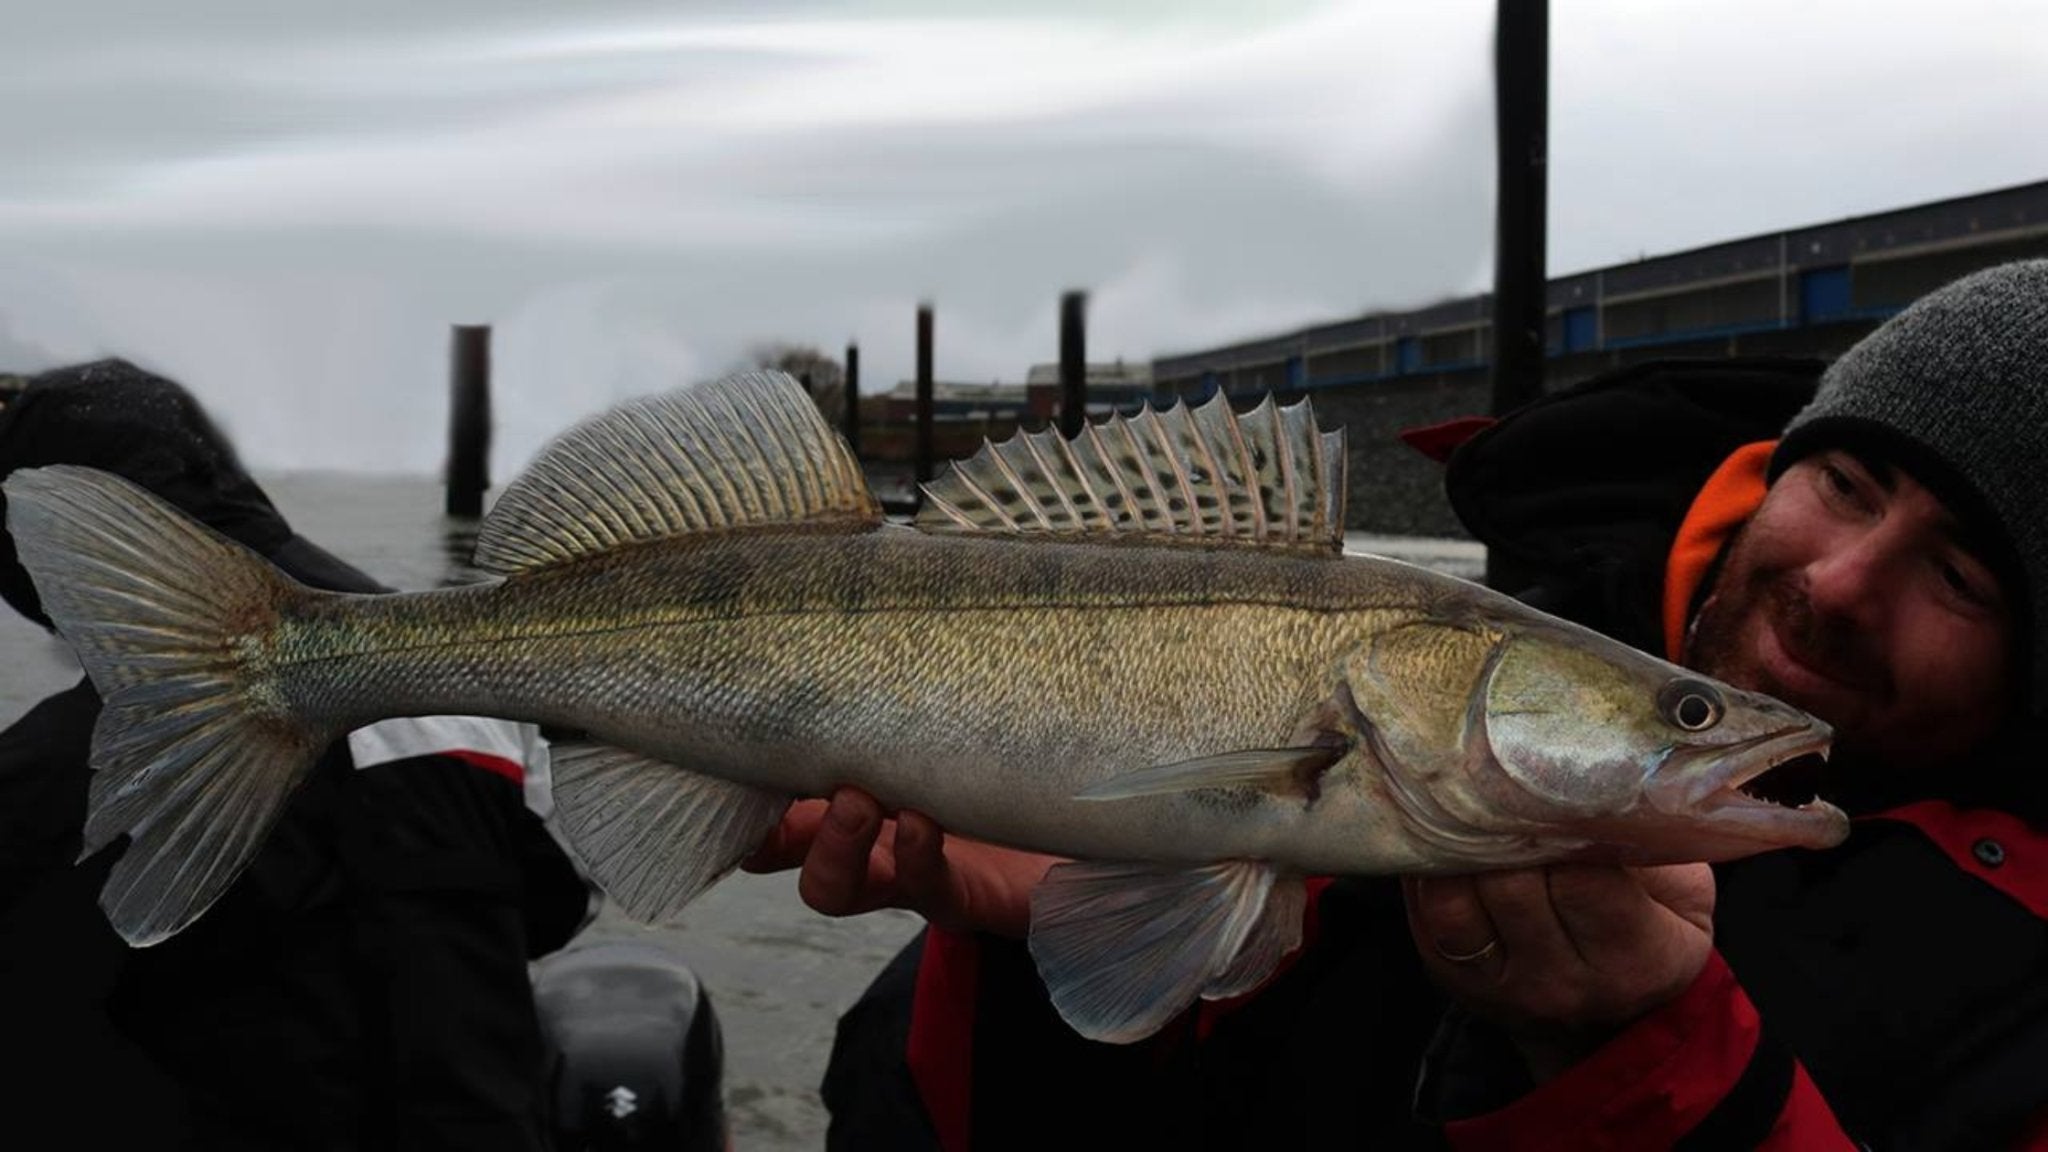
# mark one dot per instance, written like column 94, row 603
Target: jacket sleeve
column 1699, row 1073
column 43, row 782
column 437, row 866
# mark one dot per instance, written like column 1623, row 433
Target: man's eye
column 1969, row 585
column 1842, row 486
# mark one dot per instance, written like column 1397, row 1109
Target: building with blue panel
column 1807, row 291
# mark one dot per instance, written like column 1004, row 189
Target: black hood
column 111, row 415
column 1577, row 495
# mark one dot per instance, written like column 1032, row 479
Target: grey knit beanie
column 1954, row 390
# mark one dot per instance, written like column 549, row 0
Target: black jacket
column 362, row 985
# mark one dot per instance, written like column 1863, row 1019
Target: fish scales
column 896, row 661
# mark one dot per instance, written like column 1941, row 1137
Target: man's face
column 1853, row 594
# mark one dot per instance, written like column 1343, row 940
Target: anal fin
column 1277, row 933
column 654, row 835
column 1124, row 948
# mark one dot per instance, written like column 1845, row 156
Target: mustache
column 1827, row 643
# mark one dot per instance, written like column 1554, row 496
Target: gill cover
column 1579, row 729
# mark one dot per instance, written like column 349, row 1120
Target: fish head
column 1646, row 761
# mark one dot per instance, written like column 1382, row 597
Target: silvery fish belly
column 1142, row 648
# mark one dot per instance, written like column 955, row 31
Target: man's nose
column 1846, row 580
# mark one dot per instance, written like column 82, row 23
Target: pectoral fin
column 1288, row 770
column 1124, row 948
column 655, row 836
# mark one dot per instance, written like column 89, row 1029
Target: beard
column 1749, row 596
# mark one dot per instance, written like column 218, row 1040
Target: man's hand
column 1564, row 957
column 855, row 859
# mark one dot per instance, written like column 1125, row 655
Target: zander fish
column 1143, row 649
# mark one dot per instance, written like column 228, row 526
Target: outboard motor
column 635, row 1056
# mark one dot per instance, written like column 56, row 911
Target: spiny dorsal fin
column 1266, row 479
column 748, row 449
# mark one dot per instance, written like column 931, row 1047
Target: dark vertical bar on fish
column 1073, row 363
column 924, row 393
column 469, row 422
column 852, row 420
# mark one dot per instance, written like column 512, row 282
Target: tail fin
column 194, row 754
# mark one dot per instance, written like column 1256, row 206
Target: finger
column 1616, row 917
column 922, row 875
column 835, row 871
column 788, row 842
column 1686, row 889
column 1518, row 903
column 1603, row 911
column 990, row 886
column 1451, row 925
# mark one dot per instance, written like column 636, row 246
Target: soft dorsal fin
column 1205, row 475
column 748, row 449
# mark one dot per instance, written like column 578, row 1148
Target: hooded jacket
column 364, row 983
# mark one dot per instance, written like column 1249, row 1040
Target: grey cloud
column 327, row 345
column 91, row 126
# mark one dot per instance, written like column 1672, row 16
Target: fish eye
column 1690, row 704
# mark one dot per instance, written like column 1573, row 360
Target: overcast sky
column 286, row 203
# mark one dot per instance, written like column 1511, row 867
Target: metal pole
column 469, row 421
column 1521, row 63
column 924, row 394
column 852, row 428
column 1073, row 363
column 1521, row 104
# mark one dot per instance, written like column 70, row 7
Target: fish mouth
column 1761, row 788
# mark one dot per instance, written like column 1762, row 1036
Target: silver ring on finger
column 1492, row 946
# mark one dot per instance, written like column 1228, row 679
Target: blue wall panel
column 1581, row 328
column 1824, row 294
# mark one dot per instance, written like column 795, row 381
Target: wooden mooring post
column 469, row 420
column 1521, row 79
column 925, row 470
column 852, row 419
column 1521, row 112
column 1073, row 363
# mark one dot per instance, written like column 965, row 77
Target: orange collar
column 1730, row 497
